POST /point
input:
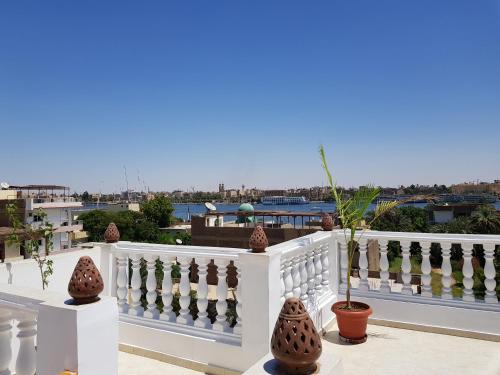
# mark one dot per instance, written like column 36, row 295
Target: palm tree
column 485, row 220
column 352, row 213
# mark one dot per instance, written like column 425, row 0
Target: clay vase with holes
column 86, row 282
column 326, row 222
column 258, row 240
column 295, row 342
column 112, row 234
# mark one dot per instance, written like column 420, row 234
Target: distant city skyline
column 190, row 94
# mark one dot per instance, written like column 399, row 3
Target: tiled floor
column 388, row 351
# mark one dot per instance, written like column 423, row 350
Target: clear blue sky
column 191, row 93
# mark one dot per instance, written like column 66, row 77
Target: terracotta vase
column 86, row 282
column 352, row 323
column 112, row 234
column 258, row 240
column 326, row 222
column 295, row 342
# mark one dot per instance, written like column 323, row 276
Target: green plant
column 352, row 213
column 32, row 244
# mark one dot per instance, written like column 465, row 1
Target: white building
column 58, row 208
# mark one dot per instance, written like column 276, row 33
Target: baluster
column 221, row 324
column 468, row 272
column 446, row 271
column 344, row 262
column 303, row 278
column 135, row 307
column 406, row 267
column 296, row 277
column 325, row 265
column 166, row 289
column 385, row 287
column 238, row 328
column 202, row 294
column 26, row 357
column 363, row 264
column 489, row 273
column 152, row 311
column 122, row 283
column 426, row 269
column 318, row 269
column 288, row 279
column 5, row 341
column 282, row 281
column 184, row 316
column 311, row 275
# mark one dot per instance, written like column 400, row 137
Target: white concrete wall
column 25, row 273
column 443, row 216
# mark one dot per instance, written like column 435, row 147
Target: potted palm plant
column 352, row 316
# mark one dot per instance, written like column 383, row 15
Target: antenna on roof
column 4, row 185
column 210, row 207
column 126, row 180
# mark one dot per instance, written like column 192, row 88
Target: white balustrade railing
column 306, row 272
column 139, row 295
column 17, row 340
column 422, row 274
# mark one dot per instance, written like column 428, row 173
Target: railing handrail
column 426, row 237
column 176, row 250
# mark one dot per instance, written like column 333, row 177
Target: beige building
column 482, row 187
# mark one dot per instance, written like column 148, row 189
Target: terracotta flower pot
column 352, row 323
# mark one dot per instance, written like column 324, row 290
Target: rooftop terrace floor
column 388, row 351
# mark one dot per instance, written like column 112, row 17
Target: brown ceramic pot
column 352, row 323
column 326, row 222
column 112, row 234
column 295, row 342
column 258, row 240
column 86, row 282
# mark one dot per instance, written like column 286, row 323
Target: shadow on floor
column 333, row 337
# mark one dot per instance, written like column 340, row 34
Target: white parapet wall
column 43, row 331
column 25, row 273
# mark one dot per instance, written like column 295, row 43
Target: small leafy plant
column 33, row 235
column 352, row 215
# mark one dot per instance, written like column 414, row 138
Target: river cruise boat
column 281, row 200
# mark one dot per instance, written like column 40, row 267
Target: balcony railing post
column 238, row 328
column 166, row 289
column 221, row 323
column 446, row 270
column 303, row 279
column 385, row 287
column 489, row 273
column 135, row 307
column 288, row 279
column 202, row 294
column 122, row 282
column 426, row 269
column 468, row 272
column 152, row 311
column 296, row 276
column 184, row 316
column 344, row 263
column 406, row 267
column 363, row 265
column 325, row 265
column 26, row 357
column 5, row 341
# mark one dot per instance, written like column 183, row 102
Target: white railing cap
column 425, row 237
column 176, row 250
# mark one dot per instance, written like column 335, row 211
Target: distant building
column 481, row 187
column 444, row 213
column 55, row 202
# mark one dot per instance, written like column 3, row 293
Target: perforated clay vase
column 112, row 234
column 258, row 240
column 295, row 342
column 86, row 282
column 326, row 222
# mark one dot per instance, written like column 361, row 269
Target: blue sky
column 192, row 93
